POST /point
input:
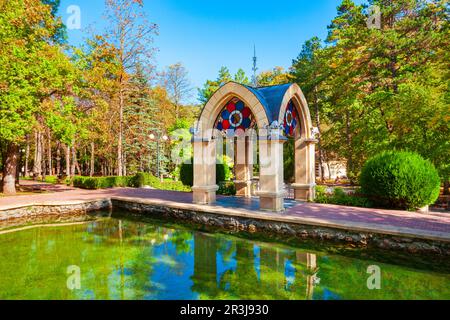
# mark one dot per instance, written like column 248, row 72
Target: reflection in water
column 123, row 259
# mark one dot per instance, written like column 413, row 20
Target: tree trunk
column 37, row 166
column 67, row 150
column 124, row 166
column 447, row 187
column 120, row 142
column 319, row 138
column 27, row 156
column 350, row 169
column 18, row 167
column 92, row 168
column 49, row 154
column 9, row 171
column 74, row 157
column 58, row 158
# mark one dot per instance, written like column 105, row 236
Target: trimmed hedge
column 101, row 182
column 339, row 197
column 223, row 173
column 142, row 179
column 51, row 179
column 400, row 180
column 139, row 180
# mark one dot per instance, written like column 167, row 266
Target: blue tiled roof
column 271, row 98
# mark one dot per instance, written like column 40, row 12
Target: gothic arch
column 217, row 101
column 268, row 106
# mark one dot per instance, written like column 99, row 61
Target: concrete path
column 389, row 221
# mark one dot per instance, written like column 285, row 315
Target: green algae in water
column 122, row 258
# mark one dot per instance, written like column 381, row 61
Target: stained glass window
column 235, row 115
column 290, row 120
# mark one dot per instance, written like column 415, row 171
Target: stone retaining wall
column 50, row 212
column 290, row 230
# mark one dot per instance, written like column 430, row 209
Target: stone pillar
column 271, row 192
column 204, row 167
column 305, row 176
column 243, row 166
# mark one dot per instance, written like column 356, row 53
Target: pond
column 123, row 257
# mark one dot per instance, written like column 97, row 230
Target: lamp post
column 158, row 138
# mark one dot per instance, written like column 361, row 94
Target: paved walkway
column 390, row 221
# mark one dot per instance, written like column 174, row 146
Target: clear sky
column 205, row 35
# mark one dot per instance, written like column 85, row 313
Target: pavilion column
column 271, row 192
column 205, row 187
column 243, row 167
column 305, row 178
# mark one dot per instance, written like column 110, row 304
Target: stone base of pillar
column 304, row 192
column 271, row 201
column 204, row 194
column 243, row 188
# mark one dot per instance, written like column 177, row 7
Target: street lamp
column 158, row 138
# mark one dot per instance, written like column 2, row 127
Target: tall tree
column 309, row 70
column 132, row 35
column 34, row 67
column 175, row 80
column 141, row 120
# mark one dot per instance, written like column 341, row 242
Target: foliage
column 141, row 179
column 224, row 76
column 273, row 77
column 187, row 174
column 51, row 179
column 101, row 182
column 223, row 173
column 401, row 180
column 227, row 188
column 175, row 80
column 373, row 89
column 289, row 161
column 340, row 197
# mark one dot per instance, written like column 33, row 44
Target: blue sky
column 205, row 35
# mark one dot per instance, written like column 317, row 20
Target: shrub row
column 101, row 182
column 339, row 197
column 139, row 180
column 143, row 179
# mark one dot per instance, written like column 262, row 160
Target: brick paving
column 432, row 222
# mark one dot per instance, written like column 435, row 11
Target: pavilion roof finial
column 255, row 59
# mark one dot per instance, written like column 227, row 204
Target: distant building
column 332, row 169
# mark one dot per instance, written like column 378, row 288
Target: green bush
column 401, row 180
column 137, row 181
column 142, row 179
column 187, row 174
column 101, row 182
column 223, row 173
column 339, row 197
column 227, row 188
column 321, row 194
column 50, row 179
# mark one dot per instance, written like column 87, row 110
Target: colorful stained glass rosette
column 290, row 120
column 235, row 115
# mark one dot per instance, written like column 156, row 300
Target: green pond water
column 122, row 257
